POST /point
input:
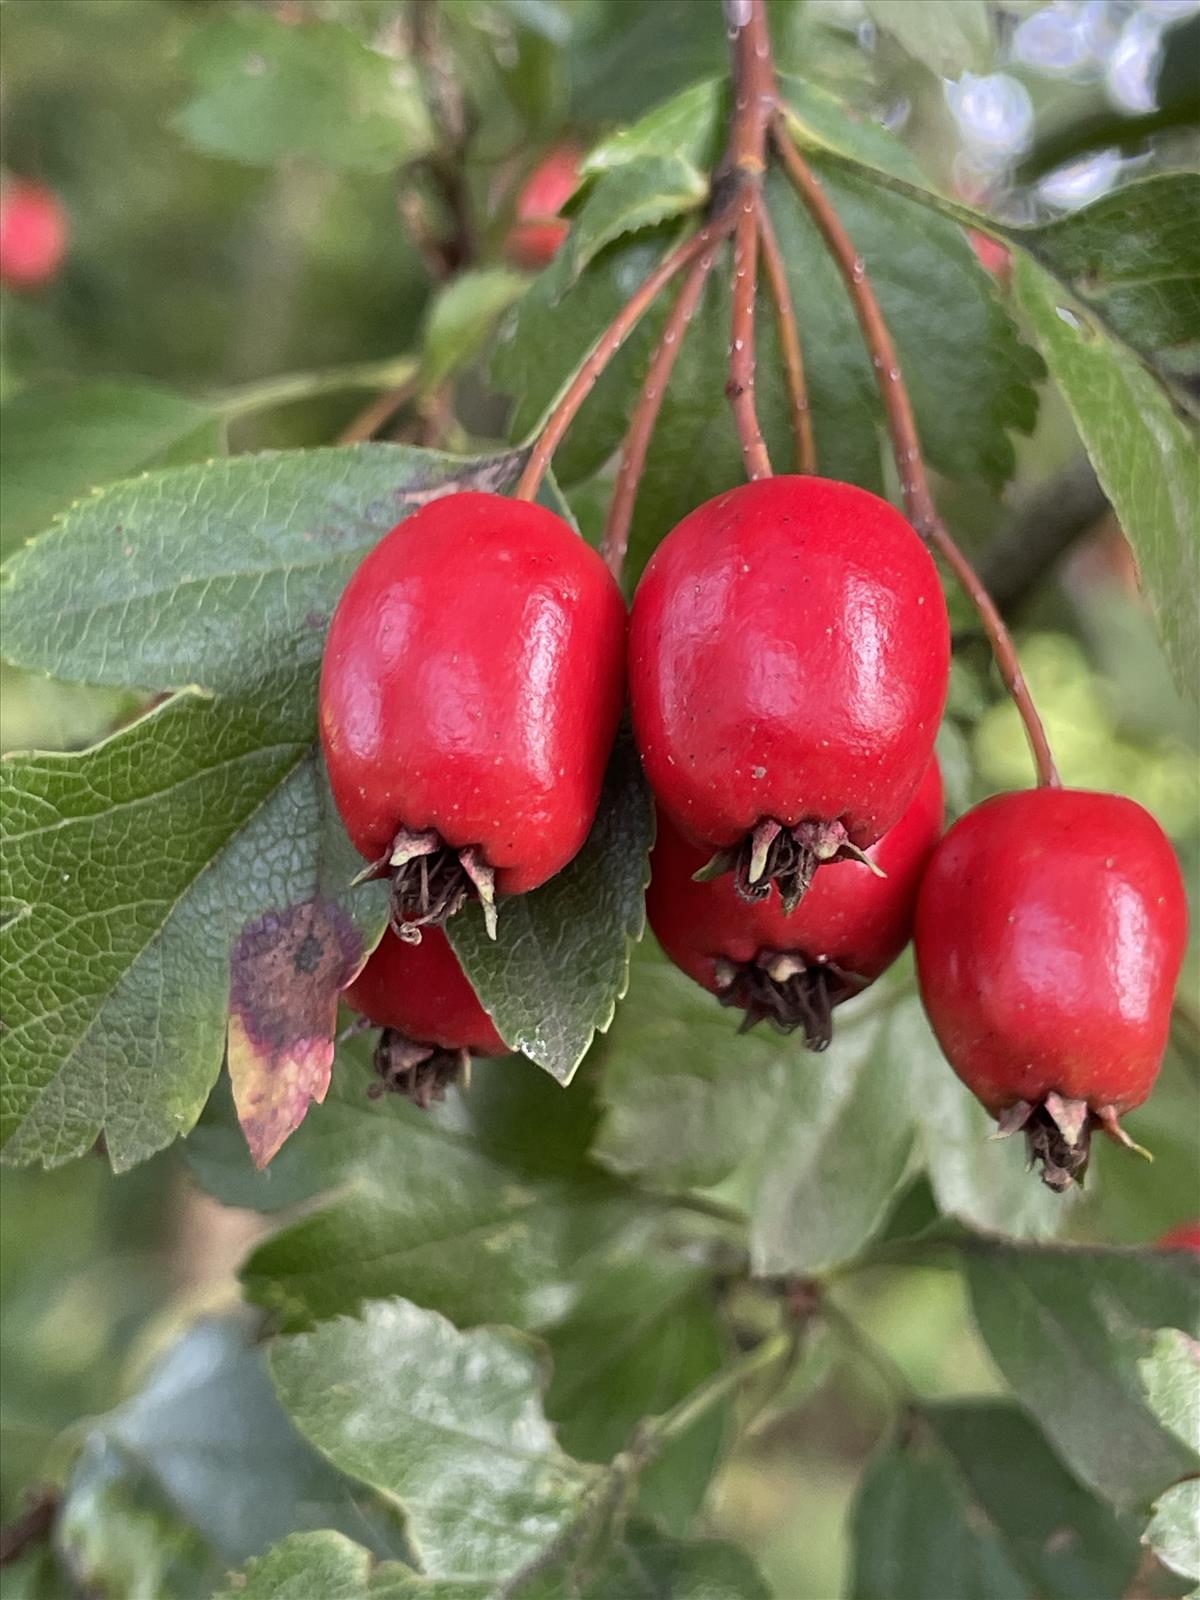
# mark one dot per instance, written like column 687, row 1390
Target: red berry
column 789, row 657
column 1185, row 1237
column 33, row 235
column 1050, row 931
column 792, row 970
column 469, row 697
column 430, row 1015
column 993, row 256
column 537, row 235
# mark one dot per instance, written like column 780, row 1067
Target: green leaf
column 649, row 1566
column 483, row 1209
column 969, row 1501
column 125, row 589
column 981, row 1180
column 1066, row 1327
column 552, row 976
column 301, row 1566
column 1172, row 1532
column 817, row 1146
column 203, row 1453
column 461, row 319
column 643, row 1335
column 264, row 91
column 129, row 872
column 1171, row 1375
column 688, row 126
column 1146, row 457
column 1133, row 259
column 947, row 36
column 58, row 442
column 450, row 1425
column 621, row 200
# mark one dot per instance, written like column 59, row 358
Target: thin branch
column 645, row 414
column 789, row 343
column 914, row 480
column 740, row 387
column 379, row 411
column 609, row 342
column 32, row 1527
column 754, row 101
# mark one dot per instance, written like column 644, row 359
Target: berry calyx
column 431, row 1018
column 789, row 659
column 1050, row 932
column 793, row 970
column 470, row 691
column 33, row 234
column 537, row 235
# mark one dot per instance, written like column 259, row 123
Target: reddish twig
column 754, row 101
column 914, row 480
column 367, row 423
column 606, row 347
column 645, row 415
column 789, row 343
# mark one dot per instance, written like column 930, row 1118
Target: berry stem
column 602, row 352
column 645, row 415
column 789, row 343
column 910, row 463
column 754, row 101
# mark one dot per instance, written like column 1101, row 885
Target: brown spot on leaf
column 287, row 970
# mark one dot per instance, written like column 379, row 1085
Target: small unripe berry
column 33, row 235
column 538, row 232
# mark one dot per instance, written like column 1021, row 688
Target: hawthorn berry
column 536, row 236
column 1050, row 931
column 33, row 234
column 431, row 1018
column 470, row 692
column 1184, row 1237
column 789, row 658
column 792, row 970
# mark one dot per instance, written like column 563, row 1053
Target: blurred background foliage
column 190, row 268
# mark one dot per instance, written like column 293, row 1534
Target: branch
column 32, row 1527
column 609, row 342
column 906, row 447
column 789, row 343
column 754, row 102
column 645, row 415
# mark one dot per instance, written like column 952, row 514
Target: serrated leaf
column 203, row 1462
column 622, row 200
column 1066, row 1327
column 448, row 1424
column 58, row 442
column 947, row 36
column 552, row 976
column 688, row 125
column 461, row 319
column 817, row 1145
column 222, row 576
column 1173, row 1532
column 1146, row 457
column 970, row 1502
column 1171, row 1376
column 129, row 872
column 483, row 1208
column 265, row 91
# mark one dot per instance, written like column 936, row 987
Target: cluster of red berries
column 788, row 660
